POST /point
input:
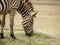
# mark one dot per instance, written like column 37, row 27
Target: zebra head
column 29, row 23
column 28, row 13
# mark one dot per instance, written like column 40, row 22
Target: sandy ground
column 47, row 21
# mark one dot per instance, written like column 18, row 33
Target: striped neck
column 25, row 8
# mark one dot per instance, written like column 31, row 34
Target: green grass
column 36, row 39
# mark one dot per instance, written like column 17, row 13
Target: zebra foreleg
column 12, row 14
column 2, row 25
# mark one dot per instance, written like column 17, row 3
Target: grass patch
column 36, row 39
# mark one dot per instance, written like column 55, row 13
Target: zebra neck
column 25, row 8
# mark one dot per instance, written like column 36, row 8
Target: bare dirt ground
column 48, row 19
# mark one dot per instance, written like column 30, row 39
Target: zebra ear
column 34, row 13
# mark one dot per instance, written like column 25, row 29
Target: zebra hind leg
column 2, row 26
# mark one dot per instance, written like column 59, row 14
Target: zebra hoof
column 2, row 37
column 13, row 36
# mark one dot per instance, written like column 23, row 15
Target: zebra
column 25, row 8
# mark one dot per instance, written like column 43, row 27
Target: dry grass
column 36, row 39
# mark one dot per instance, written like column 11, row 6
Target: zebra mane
column 33, row 12
column 29, row 3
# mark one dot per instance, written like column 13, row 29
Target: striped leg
column 2, row 25
column 11, row 15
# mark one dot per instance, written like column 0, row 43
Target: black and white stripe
column 24, row 7
column 4, row 5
